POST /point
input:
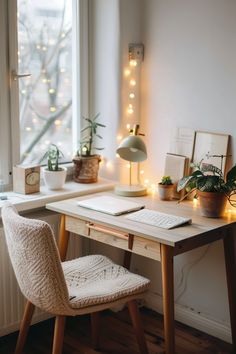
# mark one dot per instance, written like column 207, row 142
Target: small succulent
column 166, row 180
column 53, row 154
column 86, row 144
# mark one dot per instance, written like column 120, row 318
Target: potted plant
column 53, row 174
column 166, row 188
column 211, row 188
column 86, row 162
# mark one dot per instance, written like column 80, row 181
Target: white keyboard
column 155, row 218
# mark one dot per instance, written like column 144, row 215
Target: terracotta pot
column 166, row 191
column 212, row 204
column 86, row 168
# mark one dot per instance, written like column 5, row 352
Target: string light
column 132, row 82
column 57, row 122
column 130, row 110
column 127, row 72
column 133, row 63
column 53, row 109
column 51, row 90
column 131, row 95
column 128, row 126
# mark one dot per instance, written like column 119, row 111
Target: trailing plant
column 87, row 143
column 53, row 154
column 209, row 178
column 166, row 180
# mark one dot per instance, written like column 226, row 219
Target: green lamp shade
column 133, row 149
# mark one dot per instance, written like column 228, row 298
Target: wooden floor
column 116, row 337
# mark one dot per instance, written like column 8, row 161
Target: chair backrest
column 35, row 260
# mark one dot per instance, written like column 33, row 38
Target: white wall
column 189, row 80
column 189, row 76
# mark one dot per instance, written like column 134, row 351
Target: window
column 49, row 41
column 45, row 97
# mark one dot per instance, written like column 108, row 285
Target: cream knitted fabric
column 35, row 261
column 95, row 279
column 61, row 288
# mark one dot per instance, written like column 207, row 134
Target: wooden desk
column 155, row 243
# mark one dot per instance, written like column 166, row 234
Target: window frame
column 9, row 111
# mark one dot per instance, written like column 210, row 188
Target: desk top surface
column 201, row 227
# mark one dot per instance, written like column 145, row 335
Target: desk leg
column 230, row 263
column 168, row 297
column 63, row 238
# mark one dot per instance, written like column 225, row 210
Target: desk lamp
column 132, row 149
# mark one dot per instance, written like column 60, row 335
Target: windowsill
column 39, row 200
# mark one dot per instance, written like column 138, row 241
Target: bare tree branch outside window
column 45, row 50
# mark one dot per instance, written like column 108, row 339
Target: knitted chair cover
column 35, row 260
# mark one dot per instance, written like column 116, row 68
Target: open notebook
column 110, row 205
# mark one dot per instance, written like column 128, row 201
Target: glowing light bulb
column 133, row 62
column 44, row 48
column 51, row 91
column 128, row 126
column 23, row 92
column 53, row 109
column 44, row 81
column 63, row 35
column 57, row 122
column 141, row 172
column 130, row 110
column 28, row 129
column 38, row 46
column 131, row 95
column 127, row 72
column 132, row 82
column 146, row 181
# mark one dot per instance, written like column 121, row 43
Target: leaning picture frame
column 211, row 148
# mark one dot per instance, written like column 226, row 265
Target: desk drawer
column 115, row 238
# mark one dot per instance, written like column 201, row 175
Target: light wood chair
column 84, row 285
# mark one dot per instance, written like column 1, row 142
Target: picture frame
column 211, row 148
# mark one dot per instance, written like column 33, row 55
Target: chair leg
column 24, row 326
column 58, row 334
column 137, row 324
column 95, row 320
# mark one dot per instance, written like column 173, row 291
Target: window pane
column 45, row 51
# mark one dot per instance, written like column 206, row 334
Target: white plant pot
column 54, row 179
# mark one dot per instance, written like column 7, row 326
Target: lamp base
column 130, row 191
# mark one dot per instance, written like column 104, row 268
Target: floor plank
column 117, row 337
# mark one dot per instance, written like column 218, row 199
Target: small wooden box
column 26, row 179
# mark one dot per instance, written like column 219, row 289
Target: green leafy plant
column 87, row 143
column 53, row 154
column 166, row 180
column 209, row 178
